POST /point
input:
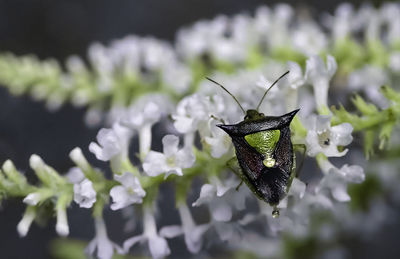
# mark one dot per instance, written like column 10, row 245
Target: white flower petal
column 340, row 193
column 176, row 171
column 341, row 134
column 171, row 231
column 207, row 193
column 32, row 198
column 193, row 239
column 128, row 193
column 132, row 241
column 84, row 194
column 170, row 145
column 158, row 247
column 185, row 158
column 220, row 211
column 155, row 163
column 354, row 173
column 75, row 175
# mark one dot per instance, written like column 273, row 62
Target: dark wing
column 270, row 183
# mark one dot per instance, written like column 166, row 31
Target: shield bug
column 265, row 159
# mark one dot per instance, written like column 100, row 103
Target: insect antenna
column 226, row 90
column 274, row 83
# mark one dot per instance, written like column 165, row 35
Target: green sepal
column 369, row 143
column 385, row 133
column 363, row 107
column 390, row 94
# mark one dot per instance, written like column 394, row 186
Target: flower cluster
column 154, row 85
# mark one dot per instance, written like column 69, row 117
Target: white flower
column 342, row 22
column 190, row 112
column 174, row 71
column 275, row 23
column 193, row 233
column 158, row 246
column 113, row 142
column 219, row 141
column 295, row 194
column 319, row 76
column 156, row 54
column 390, row 14
column 295, row 78
column 336, row 179
column 99, row 57
column 62, row 227
column 129, row 192
column 75, row 175
column 143, row 115
column 147, row 110
column 394, row 61
column 171, row 161
column 309, row 39
column 369, row 79
column 33, row 198
column 84, row 194
column 26, row 221
column 40, row 195
column 221, row 197
column 103, row 247
column 322, row 138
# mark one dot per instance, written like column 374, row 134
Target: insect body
column 264, row 153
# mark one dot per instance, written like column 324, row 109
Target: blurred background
column 60, row 28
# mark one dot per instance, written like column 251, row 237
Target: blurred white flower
column 84, row 194
column 171, row 161
column 129, row 192
column 369, row 79
column 394, row 61
column 295, row 78
column 177, row 77
column 309, row 39
column 390, row 13
column 336, row 180
column 342, row 22
column 319, row 76
column 158, row 246
column 101, row 246
column 193, row 233
column 75, row 175
column 275, row 22
column 222, row 197
column 322, row 138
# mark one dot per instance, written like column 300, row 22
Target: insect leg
column 298, row 147
column 233, row 164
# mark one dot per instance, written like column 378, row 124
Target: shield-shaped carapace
column 264, row 152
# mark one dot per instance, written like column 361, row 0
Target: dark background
column 50, row 28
